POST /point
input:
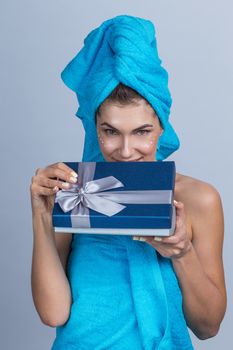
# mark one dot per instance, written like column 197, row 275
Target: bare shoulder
column 198, row 195
column 203, row 207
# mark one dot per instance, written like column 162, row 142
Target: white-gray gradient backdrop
column 39, row 126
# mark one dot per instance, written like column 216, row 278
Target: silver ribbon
column 88, row 194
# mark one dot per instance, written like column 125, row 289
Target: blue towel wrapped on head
column 123, row 49
column 125, row 295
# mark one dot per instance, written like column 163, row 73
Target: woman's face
column 128, row 133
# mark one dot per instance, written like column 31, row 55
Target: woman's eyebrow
column 140, row 127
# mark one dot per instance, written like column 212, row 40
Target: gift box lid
column 117, row 195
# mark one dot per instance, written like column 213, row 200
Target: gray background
column 38, row 125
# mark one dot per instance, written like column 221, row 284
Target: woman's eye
column 114, row 132
column 109, row 131
column 143, row 132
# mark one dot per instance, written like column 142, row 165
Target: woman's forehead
column 140, row 110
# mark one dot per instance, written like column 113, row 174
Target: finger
column 169, row 241
column 136, row 238
column 165, row 240
column 50, row 183
column 66, row 168
column 162, row 245
column 40, row 190
column 174, row 239
column 56, row 173
column 140, row 238
column 157, row 239
column 143, row 238
column 179, row 207
column 180, row 213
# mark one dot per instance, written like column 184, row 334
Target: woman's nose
column 125, row 149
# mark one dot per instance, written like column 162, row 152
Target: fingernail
column 74, row 174
column 65, row 184
column 73, row 179
column 157, row 239
column 142, row 239
column 175, row 201
column 135, row 238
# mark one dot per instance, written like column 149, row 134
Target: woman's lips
column 134, row 160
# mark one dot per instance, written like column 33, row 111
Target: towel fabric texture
column 125, row 295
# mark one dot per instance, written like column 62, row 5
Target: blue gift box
column 132, row 198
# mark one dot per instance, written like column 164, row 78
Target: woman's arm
column 200, row 270
column 50, row 286
column 198, row 264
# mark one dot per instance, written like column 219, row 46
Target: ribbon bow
column 90, row 196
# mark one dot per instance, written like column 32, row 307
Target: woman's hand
column 46, row 183
column 174, row 246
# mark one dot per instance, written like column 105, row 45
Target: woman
column 92, row 287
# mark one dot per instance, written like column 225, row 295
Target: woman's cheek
column 145, row 145
column 148, row 146
column 110, row 144
column 107, row 144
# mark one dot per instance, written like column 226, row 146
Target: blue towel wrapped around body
column 125, row 295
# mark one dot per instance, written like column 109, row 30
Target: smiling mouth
column 134, row 160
